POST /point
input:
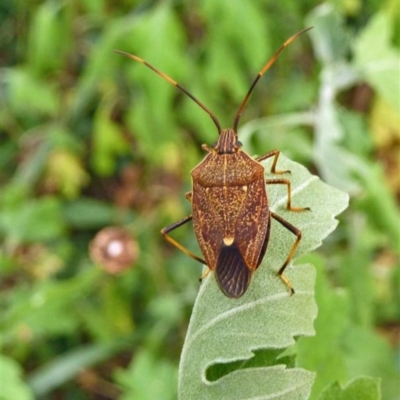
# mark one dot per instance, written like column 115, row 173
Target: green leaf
column 323, row 352
column 337, row 74
column 11, row 383
column 151, row 118
column 341, row 349
column 148, row 378
column 223, row 330
column 34, row 221
column 328, row 36
column 49, row 309
column 229, row 43
column 361, row 388
column 88, row 213
column 23, row 90
column 49, row 37
column 251, row 19
column 368, row 354
column 108, row 141
column 378, row 59
column 66, row 366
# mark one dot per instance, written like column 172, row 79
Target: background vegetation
column 90, row 139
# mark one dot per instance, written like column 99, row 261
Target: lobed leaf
column 224, row 330
column 365, row 388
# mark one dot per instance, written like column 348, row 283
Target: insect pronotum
column 230, row 213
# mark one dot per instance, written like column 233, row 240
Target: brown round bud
column 114, row 249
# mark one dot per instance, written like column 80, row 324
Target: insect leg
column 275, row 154
column 204, row 274
column 296, row 232
column 173, row 226
column 289, row 189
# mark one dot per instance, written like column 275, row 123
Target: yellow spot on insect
column 244, row 188
column 228, row 241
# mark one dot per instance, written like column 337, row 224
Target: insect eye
column 238, row 143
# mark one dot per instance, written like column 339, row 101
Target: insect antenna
column 176, row 84
column 262, row 72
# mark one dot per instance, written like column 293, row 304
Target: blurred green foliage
column 90, row 139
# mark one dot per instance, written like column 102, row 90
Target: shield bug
column 230, row 213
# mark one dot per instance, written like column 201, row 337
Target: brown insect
column 230, row 213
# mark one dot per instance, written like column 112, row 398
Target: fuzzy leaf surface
column 224, row 330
